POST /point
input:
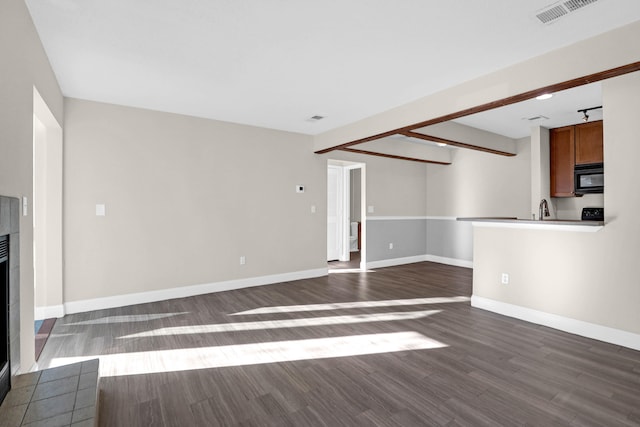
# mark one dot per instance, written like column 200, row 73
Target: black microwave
column 589, row 179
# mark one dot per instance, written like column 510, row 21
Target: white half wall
column 577, row 327
column 587, row 277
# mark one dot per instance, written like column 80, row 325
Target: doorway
column 346, row 215
column 47, row 218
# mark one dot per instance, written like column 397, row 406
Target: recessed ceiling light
column 544, row 96
column 315, row 118
column 441, row 144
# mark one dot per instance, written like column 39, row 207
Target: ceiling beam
column 579, row 81
column 392, row 156
column 437, row 139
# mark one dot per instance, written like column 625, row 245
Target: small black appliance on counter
column 593, row 214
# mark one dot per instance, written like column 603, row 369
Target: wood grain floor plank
column 486, row 370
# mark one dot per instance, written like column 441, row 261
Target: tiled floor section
column 64, row 396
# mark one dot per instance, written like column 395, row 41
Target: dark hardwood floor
column 398, row 346
column 354, row 262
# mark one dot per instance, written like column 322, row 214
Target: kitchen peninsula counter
column 547, row 224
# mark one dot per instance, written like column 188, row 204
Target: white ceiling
column 276, row 63
column 515, row 121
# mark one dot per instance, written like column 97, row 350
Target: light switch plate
column 101, row 210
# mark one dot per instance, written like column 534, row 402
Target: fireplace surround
column 5, row 369
column 9, row 292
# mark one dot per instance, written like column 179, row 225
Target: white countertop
column 547, row 224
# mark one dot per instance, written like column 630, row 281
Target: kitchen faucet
column 544, row 208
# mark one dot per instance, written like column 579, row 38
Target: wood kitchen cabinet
column 589, row 143
column 562, row 153
column 569, row 146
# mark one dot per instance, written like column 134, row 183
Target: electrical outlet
column 243, row 260
column 390, row 245
column 505, row 278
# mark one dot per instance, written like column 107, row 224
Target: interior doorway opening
column 346, row 214
column 47, row 219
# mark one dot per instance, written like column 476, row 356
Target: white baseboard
column 394, row 218
column 49, row 312
column 187, row 291
column 450, row 261
column 396, row 261
column 419, row 258
column 17, row 371
column 577, row 327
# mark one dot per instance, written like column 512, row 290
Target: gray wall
column 407, row 236
column 449, row 238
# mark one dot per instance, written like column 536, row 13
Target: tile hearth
column 63, row 396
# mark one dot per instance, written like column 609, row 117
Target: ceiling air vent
column 533, row 119
column 574, row 5
column 558, row 10
column 552, row 14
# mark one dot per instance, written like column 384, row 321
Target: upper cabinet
column 562, row 153
column 569, row 146
column 589, row 143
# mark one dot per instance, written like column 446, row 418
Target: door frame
column 346, row 167
column 47, row 212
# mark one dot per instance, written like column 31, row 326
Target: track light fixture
column 584, row 112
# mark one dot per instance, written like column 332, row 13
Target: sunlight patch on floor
column 125, row 319
column 149, row 362
column 284, row 323
column 357, row 304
